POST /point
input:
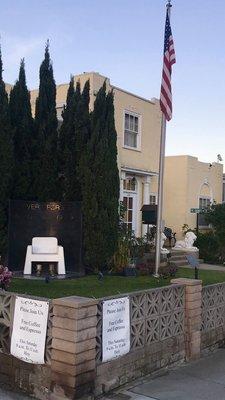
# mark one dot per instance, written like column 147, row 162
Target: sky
column 123, row 40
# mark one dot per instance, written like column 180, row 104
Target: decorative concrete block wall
column 167, row 325
column 213, row 317
column 157, row 334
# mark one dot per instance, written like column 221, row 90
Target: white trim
column 132, row 148
column 138, row 171
column 139, row 116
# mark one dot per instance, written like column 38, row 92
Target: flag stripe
column 168, row 60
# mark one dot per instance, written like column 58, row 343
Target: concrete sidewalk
column 200, row 380
column 207, row 267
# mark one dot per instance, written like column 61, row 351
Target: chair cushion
column 44, row 245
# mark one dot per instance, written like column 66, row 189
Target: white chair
column 44, row 249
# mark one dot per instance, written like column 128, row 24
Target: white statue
column 163, row 249
column 187, row 243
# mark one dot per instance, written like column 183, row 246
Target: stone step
column 178, row 253
column 179, row 263
column 177, row 257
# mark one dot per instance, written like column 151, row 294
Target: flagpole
column 160, row 196
column 159, row 227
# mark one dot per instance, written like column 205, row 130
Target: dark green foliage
column 100, row 189
column 45, row 164
column 83, row 133
column 208, row 246
column 6, row 161
column 23, row 127
column 68, row 144
column 215, row 241
column 74, row 133
column 65, row 138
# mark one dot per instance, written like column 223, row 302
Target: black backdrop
column 62, row 220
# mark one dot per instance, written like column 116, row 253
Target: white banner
column 29, row 330
column 115, row 328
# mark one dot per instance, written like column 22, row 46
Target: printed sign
column 115, row 328
column 29, row 330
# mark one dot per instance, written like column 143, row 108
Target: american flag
column 168, row 60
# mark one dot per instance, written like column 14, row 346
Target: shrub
column 209, row 248
column 168, row 271
column 145, row 268
column 5, row 277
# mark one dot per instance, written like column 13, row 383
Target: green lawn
column 90, row 286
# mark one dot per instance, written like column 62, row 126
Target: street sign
column 195, row 210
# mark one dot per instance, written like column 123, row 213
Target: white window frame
column 134, row 196
column 156, row 198
column 138, row 148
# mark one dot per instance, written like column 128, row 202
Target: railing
column 7, row 303
column 213, row 306
column 155, row 314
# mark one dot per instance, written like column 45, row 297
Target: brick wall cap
column 187, row 281
column 75, row 301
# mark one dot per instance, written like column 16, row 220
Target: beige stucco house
column 138, row 126
column 189, row 183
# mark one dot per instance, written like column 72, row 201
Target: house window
column 129, row 184
column 204, row 202
column 131, row 130
column 153, row 199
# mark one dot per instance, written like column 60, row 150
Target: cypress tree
column 100, row 188
column 83, row 131
column 71, row 192
column 22, row 123
column 45, row 168
column 112, row 177
column 66, row 132
column 74, row 133
column 6, row 161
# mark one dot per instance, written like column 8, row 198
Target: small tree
column 100, row 188
column 6, row 161
column 45, row 149
column 22, row 123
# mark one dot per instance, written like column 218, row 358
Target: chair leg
column 38, row 269
column 52, row 269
